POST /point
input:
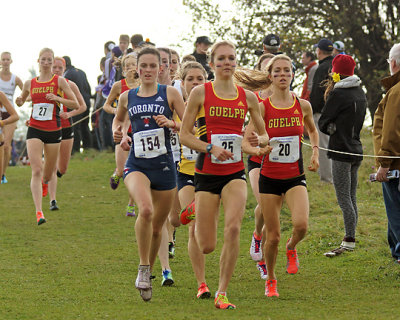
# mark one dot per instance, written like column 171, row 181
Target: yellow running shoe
column 222, row 302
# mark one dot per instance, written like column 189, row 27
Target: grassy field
column 83, row 262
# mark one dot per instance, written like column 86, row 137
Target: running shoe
column 53, row 205
column 143, row 282
column 45, row 188
column 188, row 214
column 130, row 210
column 114, row 180
column 255, row 248
column 171, row 250
column 40, row 218
column 203, row 292
column 344, row 246
column 292, row 265
column 222, row 302
column 167, row 278
column 263, row 270
column 271, row 288
column 4, row 179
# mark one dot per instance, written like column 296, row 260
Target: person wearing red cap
column 342, row 119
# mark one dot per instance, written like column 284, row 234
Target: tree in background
column 368, row 29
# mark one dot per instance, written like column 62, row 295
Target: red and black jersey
column 125, row 87
column 45, row 113
column 65, row 123
column 257, row 159
column 285, row 129
column 219, row 119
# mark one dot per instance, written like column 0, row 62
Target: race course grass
column 82, row 263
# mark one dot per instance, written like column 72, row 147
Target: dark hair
column 329, row 84
column 103, row 61
column 262, row 58
column 167, row 51
column 136, row 39
column 149, row 50
column 67, row 61
column 107, row 45
column 310, row 54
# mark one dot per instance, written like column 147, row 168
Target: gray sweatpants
column 345, row 183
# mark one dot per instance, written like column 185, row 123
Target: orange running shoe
column 271, row 289
column 40, row 218
column 188, row 214
column 45, row 187
column 292, row 265
column 203, row 292
column 221, row 302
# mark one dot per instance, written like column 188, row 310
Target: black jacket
column 317, row 90
column 79, row 77
column 343, row 118
column 202, row 59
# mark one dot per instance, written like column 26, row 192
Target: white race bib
column 149, row 143
column 42, row 111
column 285, row 149
column 230, row 142
column 189, row 154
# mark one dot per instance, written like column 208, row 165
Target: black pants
column 82, row 132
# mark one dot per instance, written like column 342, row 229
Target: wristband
column 209, row 147
column 315, row 147
column 174, row 124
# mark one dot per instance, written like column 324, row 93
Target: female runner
column 67, row 134
column 149, row 172
column 12, row 117
column 282, row 175
column 44, row 132
column 192, row 75
column 254, row 80
column 8, row 83
column 220, row 108
column 131, row 81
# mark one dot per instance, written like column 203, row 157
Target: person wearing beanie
column 323, row 51
column 342, row 119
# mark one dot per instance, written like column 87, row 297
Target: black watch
column 209, row 147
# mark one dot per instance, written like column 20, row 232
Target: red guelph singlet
column 220, row 122
column 124, row 87
column 45, row 113
column 285, row 130
column 257, row 159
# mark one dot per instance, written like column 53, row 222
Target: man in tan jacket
column 387, row 143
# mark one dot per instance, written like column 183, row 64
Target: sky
column 79, row 29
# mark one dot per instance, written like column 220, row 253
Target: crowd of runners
column 180, row 127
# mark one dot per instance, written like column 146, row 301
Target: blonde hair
column 61, row 59
column 253, row 80
column 220, row 44
column 132, row 55
column 44, row 50
column 187, row 66
column 262, row 58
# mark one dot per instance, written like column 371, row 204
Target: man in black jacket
column 81, row 130
column 324, row 54
column 202, row 44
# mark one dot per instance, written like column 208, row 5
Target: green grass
column 82, row 263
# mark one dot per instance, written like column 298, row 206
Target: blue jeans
column 391, row 196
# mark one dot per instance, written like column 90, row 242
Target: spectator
column 343, row 118
column 124, row 43
column 81, row 130
column 108, row 46
column 272, row 44
column 99, row 102
column 202, row 44
column 338, row 48
column 386, row 136
column 324, row 55
column 308, row 61
column 135, row 40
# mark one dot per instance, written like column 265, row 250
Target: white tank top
column 8, row 88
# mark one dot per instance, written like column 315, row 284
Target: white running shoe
column 255, row 249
